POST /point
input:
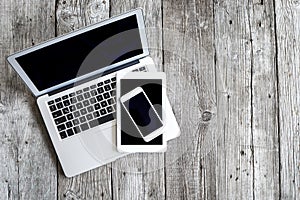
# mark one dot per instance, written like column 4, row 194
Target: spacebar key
column 101, row 120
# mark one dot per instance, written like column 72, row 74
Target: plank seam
column 251, row 99
column 163, row 68
column 277, row 89
column 55, row 17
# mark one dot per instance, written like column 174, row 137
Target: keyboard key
column 84, row 126
column 94, row 123
column 107, row 88
column 50, row 102
column 86, row 89
column 61, row 127
column 90, row 109
column 113, row 79
column 96, row 114
column 113, row 93
column 70, row 116
column 92, row 100
column 97, row 106
column 66, row 102
column 79, row 97
column 101, row 120
column 103, row 111
column 69, row 124
column 142, row 69
column 59, row 105
column 93, row 92
column 66, row 110
column 110, row 101
column 113, row 85
column 106, row 95
column 79, row 105
column 76, row 114
column 100, row 84
column 52, row 108
column 86, row 103
column 79, row 92
column 70, row 132
column 109, row 109
column 82, row 119
column 103, row 104
column 83, row 111
column 60, row 120
column 57, row 114
column 72, row 94
column 93, row 86
column 76, row 129
column 63, row 135
column 65, row 97
column 100, row 90
column 99, row 97
column 58, row 100
column 107, row 81
column 114, row 106
column 75, row 122
column 89, row 116
column 73, row 100
column 72, row 108
column 86, row 95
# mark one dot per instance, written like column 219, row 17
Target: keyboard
column 85, row 108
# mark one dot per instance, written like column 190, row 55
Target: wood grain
column 288, row 61
column 233, row 82
column 189, row 65
column 234, row 60
column 95, row 184
column 28, row 162
column 141, row 176
column 264, row 100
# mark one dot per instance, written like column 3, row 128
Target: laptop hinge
column 93, row 77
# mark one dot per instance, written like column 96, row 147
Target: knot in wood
column 206, row 116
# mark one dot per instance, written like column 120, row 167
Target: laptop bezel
column 12, row 58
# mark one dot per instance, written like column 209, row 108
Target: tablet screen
column 153, row 90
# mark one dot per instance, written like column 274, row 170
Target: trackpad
column 100, row 143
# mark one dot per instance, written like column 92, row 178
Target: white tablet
column 137, row 92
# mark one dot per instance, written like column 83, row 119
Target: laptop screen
column 83, row 53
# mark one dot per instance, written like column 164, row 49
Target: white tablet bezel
column 126, row 74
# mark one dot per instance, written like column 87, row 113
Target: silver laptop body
column 74, row 82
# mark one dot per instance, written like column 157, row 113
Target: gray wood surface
column 233, row 81
column 288, row 75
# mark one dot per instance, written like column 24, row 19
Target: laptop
column 73, row 78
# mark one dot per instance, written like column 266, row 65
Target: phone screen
column 143, row 114
column 153, row 89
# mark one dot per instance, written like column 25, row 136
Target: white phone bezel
column 127, row 74
column 130, row 95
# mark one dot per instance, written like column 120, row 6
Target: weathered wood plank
column 9, row 145
column 264, row 100
column 28, row 162
column 288, row 62
column 95, row 184
column 189, row 64
column 141, row 176
column 233, row 60
column 74, row 14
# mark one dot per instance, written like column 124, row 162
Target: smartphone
column 142, row 113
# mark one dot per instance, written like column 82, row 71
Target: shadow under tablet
column 153, row 89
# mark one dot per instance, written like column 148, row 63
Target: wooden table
column 234, row 82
